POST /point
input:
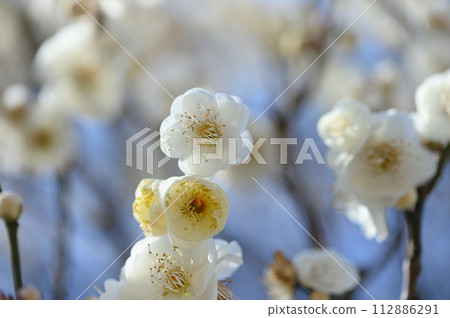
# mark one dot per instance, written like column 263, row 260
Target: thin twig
column 12, row 227
column 414, row 224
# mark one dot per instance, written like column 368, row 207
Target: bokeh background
column 77, row 78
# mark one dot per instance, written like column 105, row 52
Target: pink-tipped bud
column 11, row 206
column 29, row 293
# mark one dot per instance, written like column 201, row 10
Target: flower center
column 169, row 274
column 84, row 74
column 41, row 139
column 204, row 125
column 194, row 201
column 384, row 158
column 196, row 205
column 339, row 126
column 16, row 113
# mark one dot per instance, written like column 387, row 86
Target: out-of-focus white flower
column 196, row 209
column 157, row 269
column 431, row 15
column 83, row 74
column 433, row 107
column 44, row 142
column 47, row 16
column 390, row 162
column 202, row 125
column 147, row 208
column 317, row 270
column 11, row 206
column 345, row 127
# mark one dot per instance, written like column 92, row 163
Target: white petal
column 229, row 258
column 232, row 113
column 173, row 142
column 196, row 100
column 206, row 168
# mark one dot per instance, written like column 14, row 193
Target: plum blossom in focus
column 203, row 124
column 196, row 209
column 147, row 208
column 157, row 269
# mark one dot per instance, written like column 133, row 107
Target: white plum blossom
column 345, row 127
column 196, row 209
column 157, row 269
column 41, row 141
column 433, row 107
column 324, row 272
column 47, row 16
column 80, row 78
column 390, row 162
column 147, row 208
column 386, row 163
column 201, row 126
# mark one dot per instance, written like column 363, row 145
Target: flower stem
column 414, row 220
column 12, row 227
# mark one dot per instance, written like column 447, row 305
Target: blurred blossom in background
column 78, row 78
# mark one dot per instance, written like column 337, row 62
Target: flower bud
column 29, row 293
column 11, row 206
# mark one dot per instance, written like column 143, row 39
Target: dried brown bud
column 283, row 269
column 280, row 278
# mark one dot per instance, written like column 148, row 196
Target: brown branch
column 414, row 220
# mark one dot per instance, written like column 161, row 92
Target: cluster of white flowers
column 380, row 159
column 180, row 215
